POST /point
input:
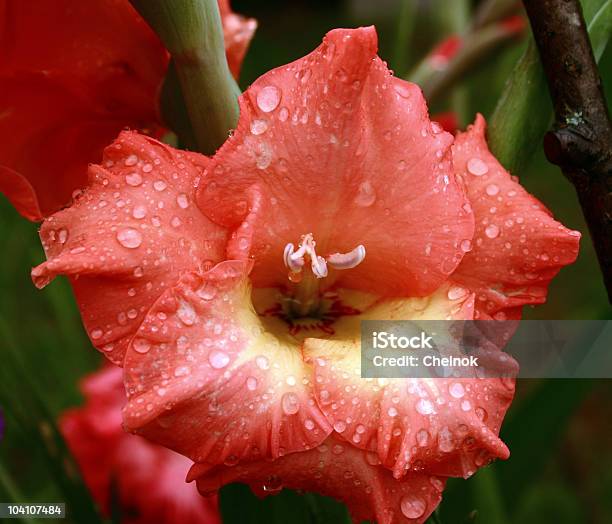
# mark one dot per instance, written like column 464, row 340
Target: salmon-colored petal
column 148, row 480
column 444, row 426
column 518, row 247
column 130, row 236
column 335, row 146
column 205, row 379
column 338, row 470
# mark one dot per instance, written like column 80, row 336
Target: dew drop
column 96, row 334
column 131, row 160
column 466, row 246
column 182, row 200
column 159, row 185
column 141, row 345
column 477, row 167
column 129, row 237
column 424, row 407
column 262, row 362
column 268, row 98
column 259, row 127
column 290, row 403
column 339, row 426
column 366, row 195
column 133, row 179
column 492, row 189
column 186, row 313
column 492, row 231
column 218, row 359
column 456, row 292
column 139, row 212
column 251, row 383
column 412, row 507
column 456, row 390
column 309, row 424
column 422, row 437
column 182, row 371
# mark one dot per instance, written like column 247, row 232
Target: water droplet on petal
column 290, row 403
column 133, row 179
column 259, row 126
column 131, row 160
column 339, row 426
column 218, row 359
column 186, row 313
column 182, row 371
column 182, row 200
column 424, row 407
column 466, row 246
column 492, row 231
column 412, row 506
column 268, row 98
column 96, row 334
column 129, row 237
column 309, row 424
column 159, row 185
column 366, row 195
column 422, row 437
column 262, row 362
column 139, row 212
column 456, row 390
column 456, row 292
column 141, row 345
column 492, row 189
column 477, row 167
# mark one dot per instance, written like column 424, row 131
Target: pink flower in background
column 231, row 289
column 149, row 480
column 73, row 75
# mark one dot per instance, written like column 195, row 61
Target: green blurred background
column 559, row 431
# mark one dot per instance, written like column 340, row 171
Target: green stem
column 192, row 32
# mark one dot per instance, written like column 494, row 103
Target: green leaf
column 600, row 29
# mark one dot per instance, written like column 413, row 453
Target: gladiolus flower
column 148, row 480
column 73, row 75
column 231, row 289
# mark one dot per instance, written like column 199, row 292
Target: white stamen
column 295, row 260
column 319, row 267
column 347, row 260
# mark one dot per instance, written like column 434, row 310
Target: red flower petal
column 335, row 146
column 149, row 479
column 204, row 378
column 518, row 247
column 444, row 426
column 237, row 31
column 37, row 138
column 130, row 236
column 340, row 471
column 73, row 75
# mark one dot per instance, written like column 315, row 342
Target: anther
column 347, row 260
column 295, row 260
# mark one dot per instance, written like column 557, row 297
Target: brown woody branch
column 580, row 142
